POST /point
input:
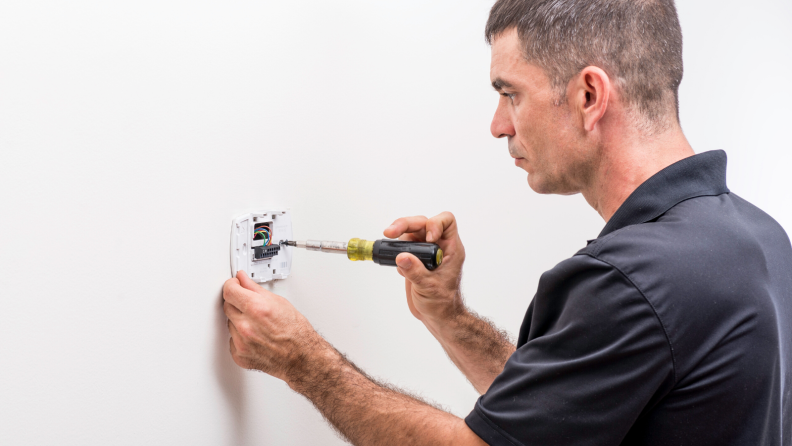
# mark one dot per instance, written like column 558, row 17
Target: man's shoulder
column 703, row 234
column 707, row 266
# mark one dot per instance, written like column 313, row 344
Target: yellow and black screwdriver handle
column 384, row 251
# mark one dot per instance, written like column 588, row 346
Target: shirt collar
column 695, row 176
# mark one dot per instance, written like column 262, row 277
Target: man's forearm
column 474, row 345
column 369, row 413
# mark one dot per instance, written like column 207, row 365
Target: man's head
column 561, row 64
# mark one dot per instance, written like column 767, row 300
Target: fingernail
column 390, row 227
column 428, row 236
column 404, row 263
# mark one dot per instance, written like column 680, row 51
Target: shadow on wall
column 230, row 377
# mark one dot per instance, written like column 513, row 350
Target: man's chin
column 545, row 186
column 538, row 186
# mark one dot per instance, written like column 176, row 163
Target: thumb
column 411, row 268
column 246, row 281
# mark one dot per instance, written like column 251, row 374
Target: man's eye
column 508, row 95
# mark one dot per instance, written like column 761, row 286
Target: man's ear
column 591, row 92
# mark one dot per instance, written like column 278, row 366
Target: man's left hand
column 267, row 332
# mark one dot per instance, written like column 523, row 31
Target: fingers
column 237, row 343
column 231, row 312
column 411, row 268
column 410, row 238
column 234, row 294
column 235, row 355
column 242, row 292
column 420, row 228
column 232, row 347
column 403, row 225
column 441, row 226
column 246, row 282
column 232, row 330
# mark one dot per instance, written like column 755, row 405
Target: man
column 672, row 327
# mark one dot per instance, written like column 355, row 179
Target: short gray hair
column 637, row 42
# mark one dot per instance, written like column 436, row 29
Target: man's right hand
column 476, row 346
column 433, row 296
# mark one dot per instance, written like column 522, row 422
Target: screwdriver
column 383, row 251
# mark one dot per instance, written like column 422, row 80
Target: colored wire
column 266, row 237
column 266, row 233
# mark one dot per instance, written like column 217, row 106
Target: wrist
column 449, row 320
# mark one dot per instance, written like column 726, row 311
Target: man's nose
column 501, row 123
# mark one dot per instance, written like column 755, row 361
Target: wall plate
column 244, row 244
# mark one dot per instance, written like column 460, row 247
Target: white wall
column 131, row 133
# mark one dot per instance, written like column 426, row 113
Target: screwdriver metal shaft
column 319, row 245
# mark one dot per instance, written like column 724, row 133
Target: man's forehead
column 509, row 68
column 506, row 43
column 507, row 57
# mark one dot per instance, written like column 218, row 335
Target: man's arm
column 269, row 334
column 472, row 343
column 475, row 346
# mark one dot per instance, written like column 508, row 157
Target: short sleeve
column 592, row 357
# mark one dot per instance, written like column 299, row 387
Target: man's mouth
column 513, row 153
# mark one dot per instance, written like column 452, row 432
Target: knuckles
column 235, row 354
column 240, row 361
column 268, row 333
column 447, row 215
column 229, row 285
column 261, row 311
column 245, row 331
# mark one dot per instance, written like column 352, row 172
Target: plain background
column 131, row 133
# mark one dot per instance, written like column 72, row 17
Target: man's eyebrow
column 498, row 84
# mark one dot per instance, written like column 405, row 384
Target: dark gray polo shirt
column 673, row 327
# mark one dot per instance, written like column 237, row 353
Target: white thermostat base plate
column 243, row 244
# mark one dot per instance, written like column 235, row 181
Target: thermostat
column 256, row 245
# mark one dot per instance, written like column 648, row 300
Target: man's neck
column 629, row 160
